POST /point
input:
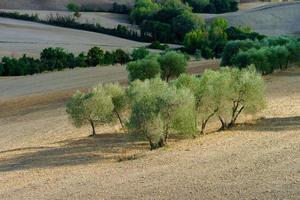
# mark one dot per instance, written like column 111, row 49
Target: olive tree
column 159, row 110
column 94, row 107
column 119, row 99
column 245, row 93
column 172, row 64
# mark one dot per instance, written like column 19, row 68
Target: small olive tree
column 245, row 92
column 94, row 107
column 119, row 99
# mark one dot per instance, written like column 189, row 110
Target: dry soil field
column 43, row 157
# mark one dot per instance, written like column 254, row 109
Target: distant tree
column 142, row 10
column 81, row 60
column 233, row 47
column 108, row 58
column 95, row 56
column 143, row 69
column 218, row 36
column 121, row 57
column 172, row 64
column 139, row 53
column 73, row 7
column 198, row 40
column 198, row 5
column 91, row 108
column 54, row 58
column 186, row 22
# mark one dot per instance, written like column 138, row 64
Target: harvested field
column 271, row 19
column 107, row 20
column 59, row 4
column 18, row 37
column 43, row 157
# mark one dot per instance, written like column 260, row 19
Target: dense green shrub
column 143, row 9
column 139, row 53
column 120, row 56
column 198, row 40
column 172, row 64
column 95, row 56
column 56, row 58
column 233, row 47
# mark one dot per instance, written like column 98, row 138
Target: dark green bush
column 139, row 53
column 95, row 56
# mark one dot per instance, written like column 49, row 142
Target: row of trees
column 58, row 59
column 156, row 109
column 210, row 41
column 213, row 6
column 267, row 55
column 71, row 22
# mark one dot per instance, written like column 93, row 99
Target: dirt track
column 43, row 157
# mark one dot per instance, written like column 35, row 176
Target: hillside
column 53, row 160
column 18, row 37
column 271, row 19
column 58, row 4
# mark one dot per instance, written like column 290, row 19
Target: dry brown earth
column 43, row 157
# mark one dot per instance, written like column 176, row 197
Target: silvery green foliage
column 119, row 99
column 159, row 110
column 246, row 93
column 94, row 107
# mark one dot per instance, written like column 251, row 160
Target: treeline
column 70, row 22
column 213, row 6
column 154, row 109
column 57, row 59
column 267, row 55
column 209, row 41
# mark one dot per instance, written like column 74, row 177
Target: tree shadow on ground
column 80, row 151
column 272, row 124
